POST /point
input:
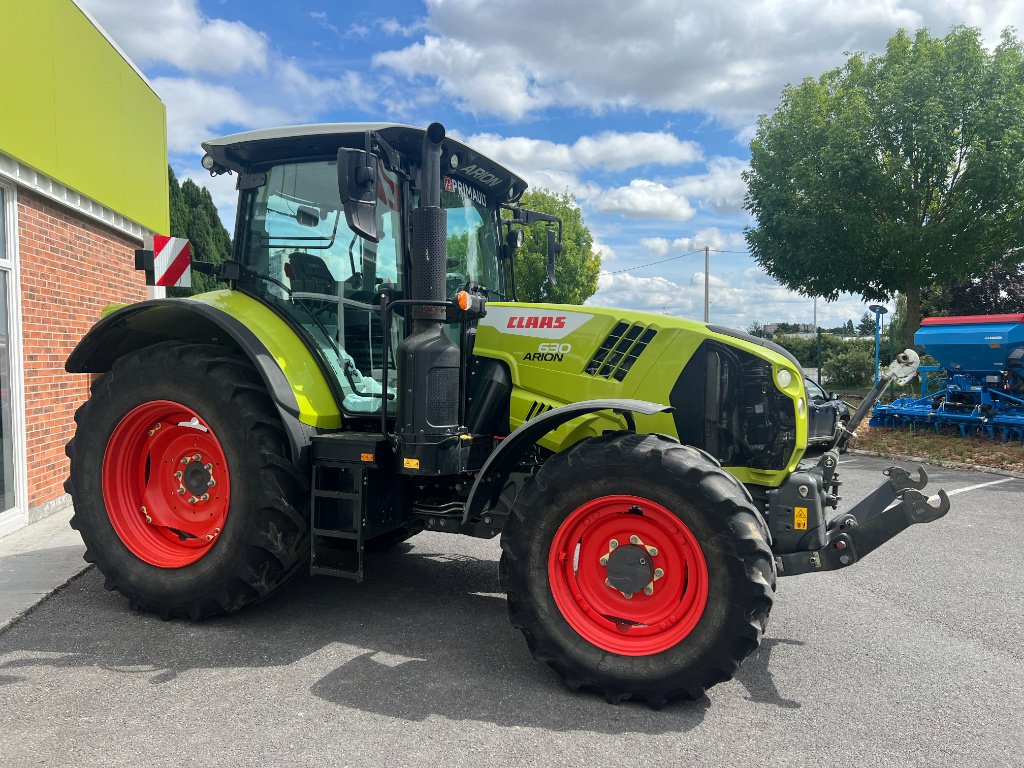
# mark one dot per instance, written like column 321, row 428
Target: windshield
column 303, row 259
column 472, row 237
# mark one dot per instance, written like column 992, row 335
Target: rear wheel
column 637, row 567
column 183, row 489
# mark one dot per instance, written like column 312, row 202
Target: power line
column 655, row 263
column 673, row 258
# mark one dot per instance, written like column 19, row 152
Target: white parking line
column 974, row 487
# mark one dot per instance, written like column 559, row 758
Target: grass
column 945, row 446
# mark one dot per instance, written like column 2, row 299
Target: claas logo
column 532, row 321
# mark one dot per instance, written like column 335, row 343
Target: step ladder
column 344, row 468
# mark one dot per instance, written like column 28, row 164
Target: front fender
column 499, row 465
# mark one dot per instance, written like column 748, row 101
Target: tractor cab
column 322, row 257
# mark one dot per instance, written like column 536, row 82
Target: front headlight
column 784, row 378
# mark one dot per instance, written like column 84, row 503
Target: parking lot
column 911, row 658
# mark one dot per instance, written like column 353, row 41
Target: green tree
column 866, row 325
column 756, row 329
column 193, row 215
column 578, row 266
column 893, row 171
column 998, row 290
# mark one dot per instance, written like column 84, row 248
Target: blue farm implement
column 980, row 386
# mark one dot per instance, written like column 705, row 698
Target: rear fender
column 499, row 465
column 293, row 379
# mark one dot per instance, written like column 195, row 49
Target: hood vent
column 620, row 350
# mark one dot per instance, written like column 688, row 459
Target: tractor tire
column 182, row 482
column 631, row 507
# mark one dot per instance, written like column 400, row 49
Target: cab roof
column 241, row 151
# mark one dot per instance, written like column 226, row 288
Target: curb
column 937, row 462
column 40, row 599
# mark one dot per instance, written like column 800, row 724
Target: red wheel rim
column 166, row 484
column 648, row 621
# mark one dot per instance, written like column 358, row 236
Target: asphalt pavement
column 911, row 658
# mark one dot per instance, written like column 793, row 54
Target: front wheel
column 637, row 567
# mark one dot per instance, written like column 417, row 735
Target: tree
column 578, row 266
column 999, row 290
column 756, row 329
column 893, row 171
column 866, row 325
column 193, row 215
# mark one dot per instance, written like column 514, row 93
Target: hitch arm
column 902, row 370
column 854, row 534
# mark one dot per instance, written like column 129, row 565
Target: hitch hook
column 899, row 477
column 918, row 508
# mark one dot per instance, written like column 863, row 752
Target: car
column 825, row 409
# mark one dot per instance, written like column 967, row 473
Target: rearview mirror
column 357, row 187
column 554, row 249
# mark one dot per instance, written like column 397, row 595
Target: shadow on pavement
column 426, row 635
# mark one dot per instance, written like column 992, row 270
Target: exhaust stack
column 428, row 361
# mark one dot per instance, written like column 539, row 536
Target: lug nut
column 652, row 551
column 634, row 539
column 628, row 595
column 205, row 497
column 648, row 590
column 603, row 560
column 613, row 544
column 179, row 474
column 658, row 573
column 211, row 483
column 196, row 457
column 181, row 490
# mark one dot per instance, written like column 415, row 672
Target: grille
column 537, row 409
column 620, row 350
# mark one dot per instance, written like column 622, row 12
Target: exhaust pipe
column 428, row 361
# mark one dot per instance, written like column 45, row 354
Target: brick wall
column 70, row 268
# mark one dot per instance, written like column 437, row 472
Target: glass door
column 11, row 506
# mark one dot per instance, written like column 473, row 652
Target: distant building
column 789, row 328
column 83, row 178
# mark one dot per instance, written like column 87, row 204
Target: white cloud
column 658, row 246
column 607, row 252
column 177, row 33
column 606, row 151
column 729, row 58
column 711, row 237
column 735, row 301
column 643, row 199
column 721, row 188
column 198, row 110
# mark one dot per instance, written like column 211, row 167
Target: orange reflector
column 366, row 457
column 463, row 300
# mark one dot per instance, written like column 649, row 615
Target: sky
column 643, row 110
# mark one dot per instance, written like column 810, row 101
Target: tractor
column 366, row 374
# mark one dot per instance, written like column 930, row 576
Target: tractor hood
column 240, row 152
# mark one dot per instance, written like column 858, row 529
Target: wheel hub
column 629, row 569
column 197, row 477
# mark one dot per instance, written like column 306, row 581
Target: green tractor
column 367, row 374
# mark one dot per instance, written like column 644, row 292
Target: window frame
column 17, row 516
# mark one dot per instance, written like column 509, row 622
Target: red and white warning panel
column 172, row 259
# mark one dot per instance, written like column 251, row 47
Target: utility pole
column 707, row 270
column 817, row 337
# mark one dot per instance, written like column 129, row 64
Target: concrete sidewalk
column 36, row 561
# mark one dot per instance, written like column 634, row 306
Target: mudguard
column 499, row 465
column 292, row 376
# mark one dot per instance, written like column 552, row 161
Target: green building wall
column 73, row 108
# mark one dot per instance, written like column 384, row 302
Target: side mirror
column 513, row 242
column 834, row 396
column 357, row 187
column 554, row 249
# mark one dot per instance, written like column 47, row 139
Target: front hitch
column 855, row 534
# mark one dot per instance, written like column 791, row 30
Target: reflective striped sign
column 172, row 259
